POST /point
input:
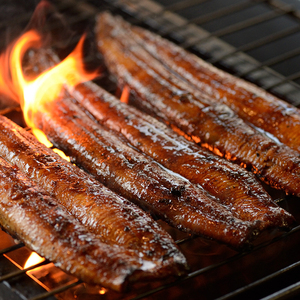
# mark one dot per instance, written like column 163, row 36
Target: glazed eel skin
column 213, row 125
column 35, row 218
column 115, row 221
column 250, row 102
column 232, row 185
column 138, row 178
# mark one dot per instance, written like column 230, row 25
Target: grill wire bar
column 170, row 22
column 281, row 294
column 259, row 43
column 213, row 15
column 10, row 276
column 237, row 27
column 242, row 291
column 167, row 21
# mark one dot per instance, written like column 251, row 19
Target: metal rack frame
column 189, row 34
column 285, row 292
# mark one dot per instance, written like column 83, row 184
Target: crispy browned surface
column 234, row 187
column 138, row 178
column 250, row 102
column 212, row 124
column 37, row 220
column 116, row 221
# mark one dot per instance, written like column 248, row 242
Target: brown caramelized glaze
column 138, row 178
column 116, row 221
column 231, row 184
column 250, row 102
column 37, row 220
column 212, row 124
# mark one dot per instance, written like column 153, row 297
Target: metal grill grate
column 254, row 39
column 18, row 283
column 216, row 270
column 284, row 282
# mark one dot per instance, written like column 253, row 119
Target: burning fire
column 125, row 94
column 35, row 94
column 33, row 259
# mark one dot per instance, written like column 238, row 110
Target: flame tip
column 35, row 94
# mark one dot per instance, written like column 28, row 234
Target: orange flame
column 33, row 259
column 34, row 94
column 125, row 94
column 9, row 84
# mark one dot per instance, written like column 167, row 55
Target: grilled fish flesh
column 138, row 178
column 232, row 185
column 250, row 102
column 213, row 125
column 116, row 222
column 36, row 219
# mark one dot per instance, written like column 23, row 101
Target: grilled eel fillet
column 214, row 125
column 117, row 222
column 138, row 178
column 36, row 219
column 250, row 102
column 232, row 185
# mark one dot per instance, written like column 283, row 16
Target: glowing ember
column 36, row 94
column 125, row 95
column 102, row 291
column 33, row 259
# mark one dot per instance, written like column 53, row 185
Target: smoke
column 18, row 16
